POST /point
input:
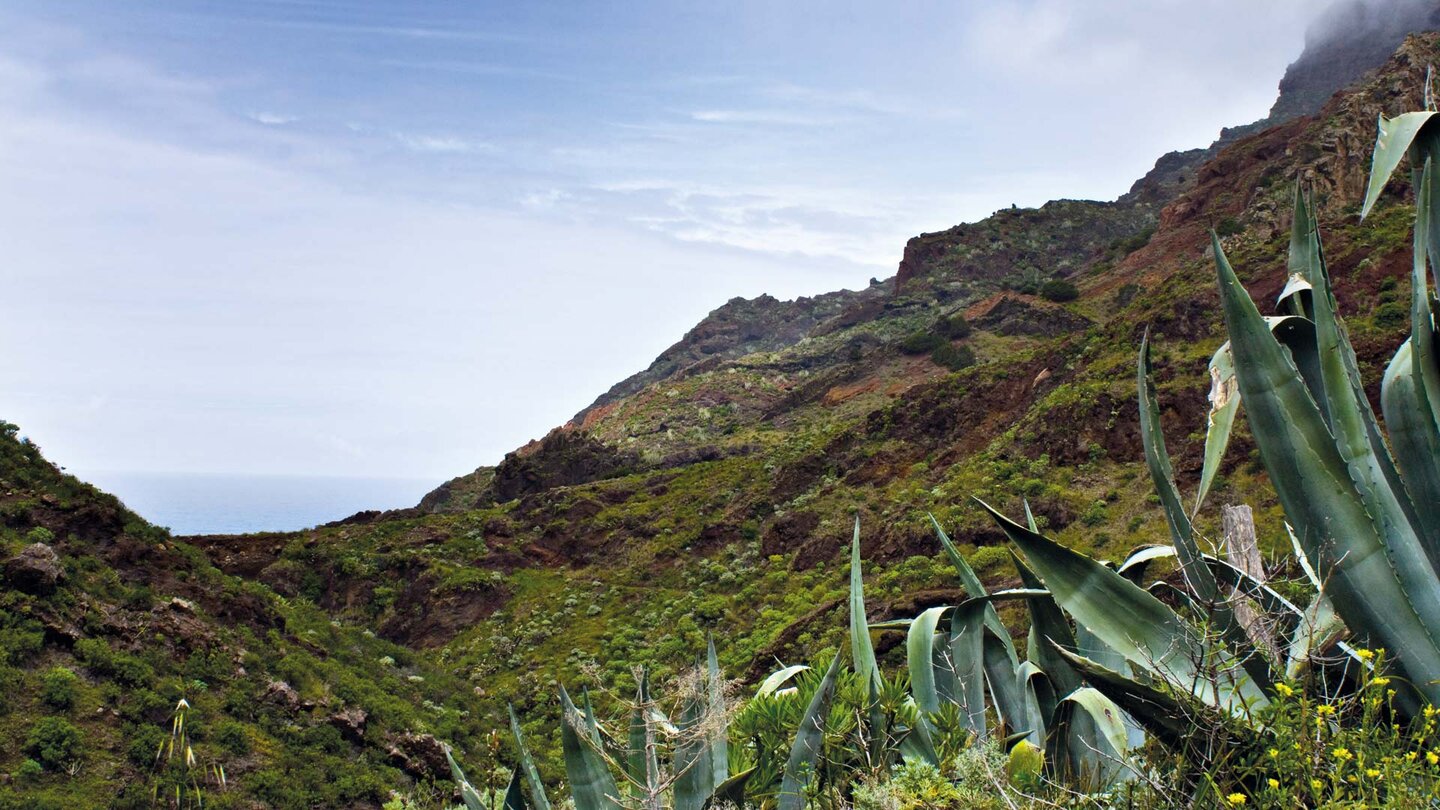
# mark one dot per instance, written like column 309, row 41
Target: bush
column 954, row 327
column 144, row 745
column 1058, row 289
column 953, row 357
column 1391, row 315
column 58, row 688
column 232, row 737
column 29, row 771
column 921, row 343
column 54, row 742
column 1229, row 226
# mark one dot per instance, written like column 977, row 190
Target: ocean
column 238, row 504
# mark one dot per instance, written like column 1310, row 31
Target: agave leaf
column 514, row 795
column 967, row 655
column 1319, row 629
column 591, row 784
column 1224, row 404
column 1413, row 431
column 1134, row 623
column 1410, row 392
column 1040, row 702
column 1396, row 136
column 861, row 648
column 731, row 792
column 890, row 624
column 719, row 734
column 1314, row 486
column 999, row 657
column 538, row 799
column 468, row 795
column 1138, row 563
column 775, row 680
column 1049, row 629
column 1030, row 517
column 1097, row 739
column 1158, row 711
column 920, row 653
column 1197, row 574
column 1298, row 335
column 805, row 753
column 1090, row 646
column 641, row 761
column 694, row 768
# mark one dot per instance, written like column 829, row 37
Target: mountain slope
column 106, row 622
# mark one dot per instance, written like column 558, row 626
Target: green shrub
column 1229, row 226
column 915, row 785
column 1058, row 289
column 54, row 742
column 144, row 744
column 953, row 357
column 29, row 771
column 921, row 343
column 954, row 327
column 58, row 687
column 233, row 738
column 1391, row 315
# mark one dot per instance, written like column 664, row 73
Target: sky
column 402, row 239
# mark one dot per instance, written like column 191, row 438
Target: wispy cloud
column 272, row 119
column 785, row 118
column 443, row 144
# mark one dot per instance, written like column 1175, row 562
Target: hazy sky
column 403, row 238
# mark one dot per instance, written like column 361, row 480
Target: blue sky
column 404, row 238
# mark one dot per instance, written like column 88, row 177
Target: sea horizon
column 190, row 503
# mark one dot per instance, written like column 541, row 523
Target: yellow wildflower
column 1316, row 784
column 1284, row 690
column 1372, row 773
column 1380, row 681
column 1235, row 799
column 1342, row 753
column 1365, row 655
column 1274, row 753
column 1325, row 710
column 1274, row 783
column 1432, row 758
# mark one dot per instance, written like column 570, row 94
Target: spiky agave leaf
column 468, row 794
column 642, row 759
column 1315, row 488
column 1040, row 701
column 719, row 735
column 1224, row 404
column 806, row 752
column 538, row 800
column 1395, row 139
column 775, row 681
column 1097, row 741
column 1160, row 712
column 592, row 786
column 999, row 658
column 694, row 769
column 1410, row 391
column 861, row 648
column 1134, row 623
column 514, row 795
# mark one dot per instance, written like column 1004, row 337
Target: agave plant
column 1365, row 524
column 683, row 764
column 958, row 656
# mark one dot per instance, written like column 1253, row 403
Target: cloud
column 442, row 144
column 776, row 117
column 272, row 119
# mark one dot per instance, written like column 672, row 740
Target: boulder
column 36, row 569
